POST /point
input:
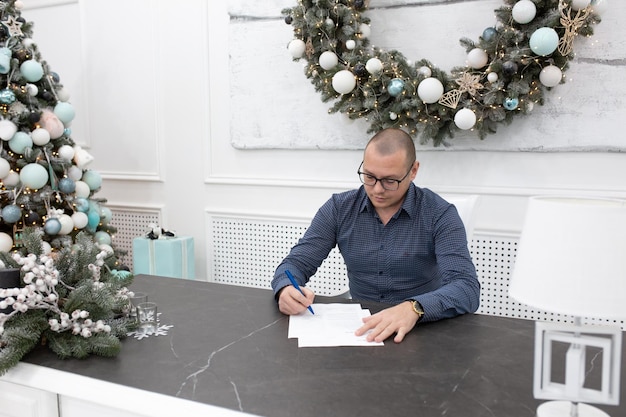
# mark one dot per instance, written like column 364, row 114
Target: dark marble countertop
column 227, row 346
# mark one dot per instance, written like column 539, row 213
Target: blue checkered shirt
column 420, row 254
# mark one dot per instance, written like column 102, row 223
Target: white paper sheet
column 332, row 325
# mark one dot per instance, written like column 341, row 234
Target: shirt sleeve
column 310, row 251
column 460, row 289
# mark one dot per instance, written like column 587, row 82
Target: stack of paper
column 331, row 325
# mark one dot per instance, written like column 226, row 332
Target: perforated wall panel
column 131, row 223
column 246, row 251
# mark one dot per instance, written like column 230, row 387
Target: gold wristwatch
column 418, row 309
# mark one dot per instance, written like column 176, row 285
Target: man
column 402, row 245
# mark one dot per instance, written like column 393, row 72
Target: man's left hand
column 399, row 319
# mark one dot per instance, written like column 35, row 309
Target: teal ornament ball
column 67, row 185
column 52, row 226
column 544, row 41
column 81, row 204
column 31, row 70
column 395, row 87
column 489, row 34
column 93, row 219
column 20, row 141
column 510, row 103
column 106, row 215
column 34, row 176
column 4, row 51
column 65, row 112
column 11, row 213
column 5, row 64
column 93, row 179
column 102, row 237
column 7, row 96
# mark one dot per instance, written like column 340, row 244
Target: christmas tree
column 71, row 291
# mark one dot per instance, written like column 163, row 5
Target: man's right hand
column 290, row 301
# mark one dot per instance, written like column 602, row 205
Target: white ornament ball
column 40, row 136
column 19, row 5
column 492, row 77
column 6, row 242
column 107, row 248
column 365, row 30
column 66, row 152
column 465, row 119
column 344, row 82
column 425, row 71
column 374, row 66
column 393, row 115
column 328, row 60
column 550, row 76
column 5, row 167
column 67, row 224
column 11, row 180
column 524, row 11
column 74, row 173
column 350, row 44
column 430, row 90
column 580, row 4
column 477, row 58
column 80, row 219
column 32, row 89
column 82, row 189
column 63, row 95
column 296, row 48
column 7, row 129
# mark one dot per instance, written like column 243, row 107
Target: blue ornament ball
column 52, row 226
column 81, row 204
column 65, row 112
column 544, row 41
column 489, row 34
column 34, row 176
column 31, row 70
column 11, row 213
column 102, row 237
column 510, row 103
column 395, row 87
column 7, row 96
column 20, row 141
column 67, row 185
column 93, row 179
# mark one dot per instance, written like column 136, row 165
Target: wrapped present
column 168, row 257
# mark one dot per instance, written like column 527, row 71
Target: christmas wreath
column 508, row 69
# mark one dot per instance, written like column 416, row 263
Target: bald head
column 390, row 141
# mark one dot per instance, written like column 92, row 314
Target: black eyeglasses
column 388, row 184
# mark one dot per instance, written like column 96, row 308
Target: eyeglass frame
column 376, row 180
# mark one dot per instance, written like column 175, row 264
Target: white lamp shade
column 571, row 258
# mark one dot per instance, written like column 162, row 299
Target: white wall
column 155, row 98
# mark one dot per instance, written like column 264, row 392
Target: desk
column 228, row 347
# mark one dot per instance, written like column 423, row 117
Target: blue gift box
column 171, row 257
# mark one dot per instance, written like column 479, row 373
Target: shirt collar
column 409, row 206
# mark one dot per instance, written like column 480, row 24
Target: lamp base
column 564, row 408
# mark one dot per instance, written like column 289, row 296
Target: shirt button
column 380, row 272
column 381, row 247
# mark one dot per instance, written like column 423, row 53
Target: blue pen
column 295, row 284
